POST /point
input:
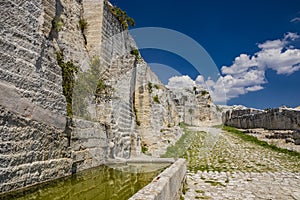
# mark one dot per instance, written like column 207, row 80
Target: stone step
column 24, row 83
column 124, row 125
column 18, row 39
column 124, row 130
column 51, row 72
column 18, row 52
column 126, row 117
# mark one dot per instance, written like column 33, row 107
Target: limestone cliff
column 273, row 119
column 74, row 93
column 69, row 91
column 34, row 145
column 195, row 106
column 156, row 115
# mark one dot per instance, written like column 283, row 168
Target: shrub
column 150, row 89
column 103, row 91
column 204, row 92
column 156, row 86
column 136, row 53
column 122, row 16
column 83, row 25
column 57, row 24
column 68, row 76
column 156, row 99
column 144, row 149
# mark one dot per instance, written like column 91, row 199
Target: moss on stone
column 150, row 87
column 68, row 75
column 156, row 99
column 136, row 53
column 57, row 24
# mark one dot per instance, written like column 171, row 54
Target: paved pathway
column 222, row 166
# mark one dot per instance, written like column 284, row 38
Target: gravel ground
column 223, row 166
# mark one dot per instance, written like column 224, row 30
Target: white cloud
column 180, row 82
column 247, row 72
column 273, row 44
column 200, row 80
column 240, row 64
column 254, row 88
column 291, row 36
column 296, row 19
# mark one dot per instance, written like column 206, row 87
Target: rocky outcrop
column 74, row 95
column 156, row 115
column 195, row 106
column 274, row 119
column 39, row 142
column 33, row 144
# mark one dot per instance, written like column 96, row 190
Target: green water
column 115, row 182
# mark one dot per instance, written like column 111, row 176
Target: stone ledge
column 12, row 100
column 166, row 185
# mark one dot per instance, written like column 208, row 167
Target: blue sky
column 227, row 29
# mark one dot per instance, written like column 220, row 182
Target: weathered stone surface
column 195, row 106
column 155, row 112
column 30, row 151
column 167, row 185
column 276, row 119
column 33, row 121
column 38, row 141
column 34, row 146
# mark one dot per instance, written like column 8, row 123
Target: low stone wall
column 167, row 185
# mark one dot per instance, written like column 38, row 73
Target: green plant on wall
column 144, row 149
column 204, row 92
column 90, row 87
column 156, row 99
column 57, row 24
column 138, row 122
column 68, row 75
column 103, row 91
column 136, row 53
column 150, row 88
column 121, row 15
column 83, row 25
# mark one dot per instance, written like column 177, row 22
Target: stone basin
column 114, row 181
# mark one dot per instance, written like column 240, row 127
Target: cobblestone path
column 223, row 166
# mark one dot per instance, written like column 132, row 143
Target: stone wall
column 274, row 119
column 38, row 141
column 167, row 185
column 34, row 146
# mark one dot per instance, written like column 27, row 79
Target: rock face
column 38, row 141
column 274, row 119
column 116, row 104
column 195, row 106
column 33, row 144
column 156, row 114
